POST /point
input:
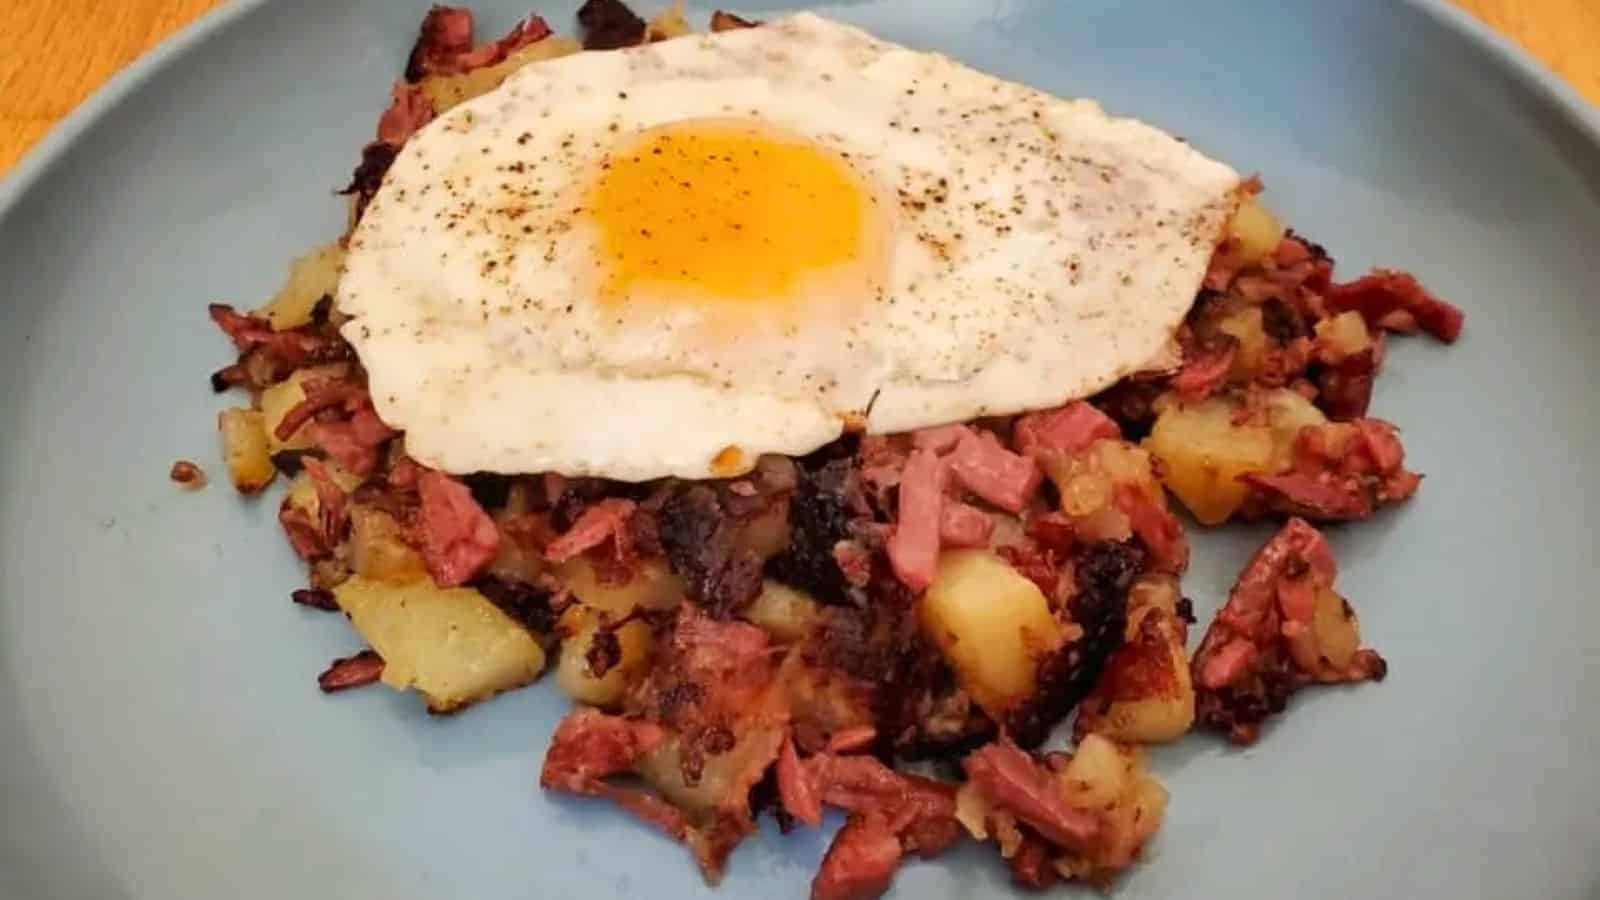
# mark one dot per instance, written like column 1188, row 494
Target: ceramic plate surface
column 160, row 727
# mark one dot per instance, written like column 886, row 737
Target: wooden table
column 53, row 53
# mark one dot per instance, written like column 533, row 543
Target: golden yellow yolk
column 733, row 214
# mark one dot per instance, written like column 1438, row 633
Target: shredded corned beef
column 1383, row 293
column 444, row 43
column 800, row 797
column 860, row 863
column 606, row 520
column 1204, row 371
column 589, row 746
column 1247, row 667
column 986, row 468
column 458, row 537
column 914, row 545
column 445, row 34
column 963, row 525
column 1066, row 429
column 1011, row 781
column 409, row 110
column 1340, row 471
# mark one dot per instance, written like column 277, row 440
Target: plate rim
column 1528, row 71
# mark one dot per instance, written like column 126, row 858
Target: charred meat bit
column 188, row 474
column 526, row 603
column 609, row 25
column 351, row 671
column 701, row 542
column 819, row 520
column 446, row 32
column 1104, row 572
column 409, row 110
column 376, row 158
column 315, row 598
column 727, row 21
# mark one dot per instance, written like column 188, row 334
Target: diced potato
column 1254, row 233
column 992, row 624
column 445, row 91
column 663, row 769
column 784, row 612
column 823, row 696
column 1330, row 644
column 1145, row 695
column 277, row 400
column 1246, row 326
column 1342, row 336
column 573, row 672
column 767, row 534
column 244, row 448
column 1111, row 781
column 1096, row 775
column 311, row 277
column 1086, row 480
column 1204, row 450
column 377, row 550
column 1203, row 453
column 1287, row 413
column 449, row 644
column 669, row 23
column 1152, row 593
column 519, row 557
column 303, row 491
column 652, row 587
column 1082, row 486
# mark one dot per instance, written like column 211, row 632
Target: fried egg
column 671, row 259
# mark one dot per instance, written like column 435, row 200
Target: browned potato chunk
column 1330, row 644
column 311, row 277
column 652, row 587
column 993, row 626
column 1087, row 481
column 445, row 91
column 667, row 24
column 277, row 400
column 1111, row 781
column 244, row 448
column 1253, row 234
column 451, row 645
column 377, row 549
column 303, row 491
column 784, row 612
column 1203, row 454
column 1342, row 336
column 1246, row 326
column 575, row 671
column 1204, row 449
column 1145, row 694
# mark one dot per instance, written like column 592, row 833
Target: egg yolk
column 736, row 214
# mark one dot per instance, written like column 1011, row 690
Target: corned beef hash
column 812, row 405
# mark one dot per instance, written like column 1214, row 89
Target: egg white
column 1035, row 250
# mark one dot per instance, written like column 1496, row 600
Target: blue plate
column 161, row 731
